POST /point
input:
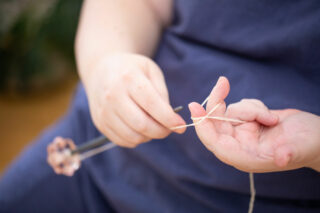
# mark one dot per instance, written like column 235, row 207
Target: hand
column 270, row 140
column 129, row 100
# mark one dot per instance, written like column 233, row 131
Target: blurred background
column 37, row 69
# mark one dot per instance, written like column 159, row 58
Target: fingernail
column 190, row 106
column 220, row 78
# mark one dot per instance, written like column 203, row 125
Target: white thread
column 201, row 118
column 220, row 118
column 182, row 126
column 251, row 177
column 205, row 101
column 252, row 192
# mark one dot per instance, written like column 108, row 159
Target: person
column 131, row 55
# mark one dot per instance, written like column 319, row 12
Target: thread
column 221, row 119
column 252, row 192
column 200, row 119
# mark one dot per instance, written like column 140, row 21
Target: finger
column 266, row 117
column 54, row 161
column 157, row 79
column 250, row 111
column 133, row 116
column 150, row 101
column 217, row 96
column 55, row 143
column 126, row 133
column 115, row 138
column 71, row 144
column 51, row 148
column 60, row 142
column 205, row 129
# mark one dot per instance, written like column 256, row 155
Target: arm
column 126, row 90
column 108, row 26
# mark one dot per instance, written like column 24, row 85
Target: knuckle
column 253, row 101
column 141, row 85
column 245, row 100
column 232, row 108
column 127, row 76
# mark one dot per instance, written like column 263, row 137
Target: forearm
column 108, row 26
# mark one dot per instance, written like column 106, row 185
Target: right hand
column 129, row 101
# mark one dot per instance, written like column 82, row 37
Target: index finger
column 145, row 95
column 218, row 94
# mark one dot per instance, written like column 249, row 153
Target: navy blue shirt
column 269, row 50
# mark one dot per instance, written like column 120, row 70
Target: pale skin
column 269, row 140
column 129, row 100
column 127, row 94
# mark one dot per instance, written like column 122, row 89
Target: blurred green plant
column 36, row 42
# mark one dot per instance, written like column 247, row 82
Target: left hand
column 270, row 140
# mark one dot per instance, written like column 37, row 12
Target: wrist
column 316, row 163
